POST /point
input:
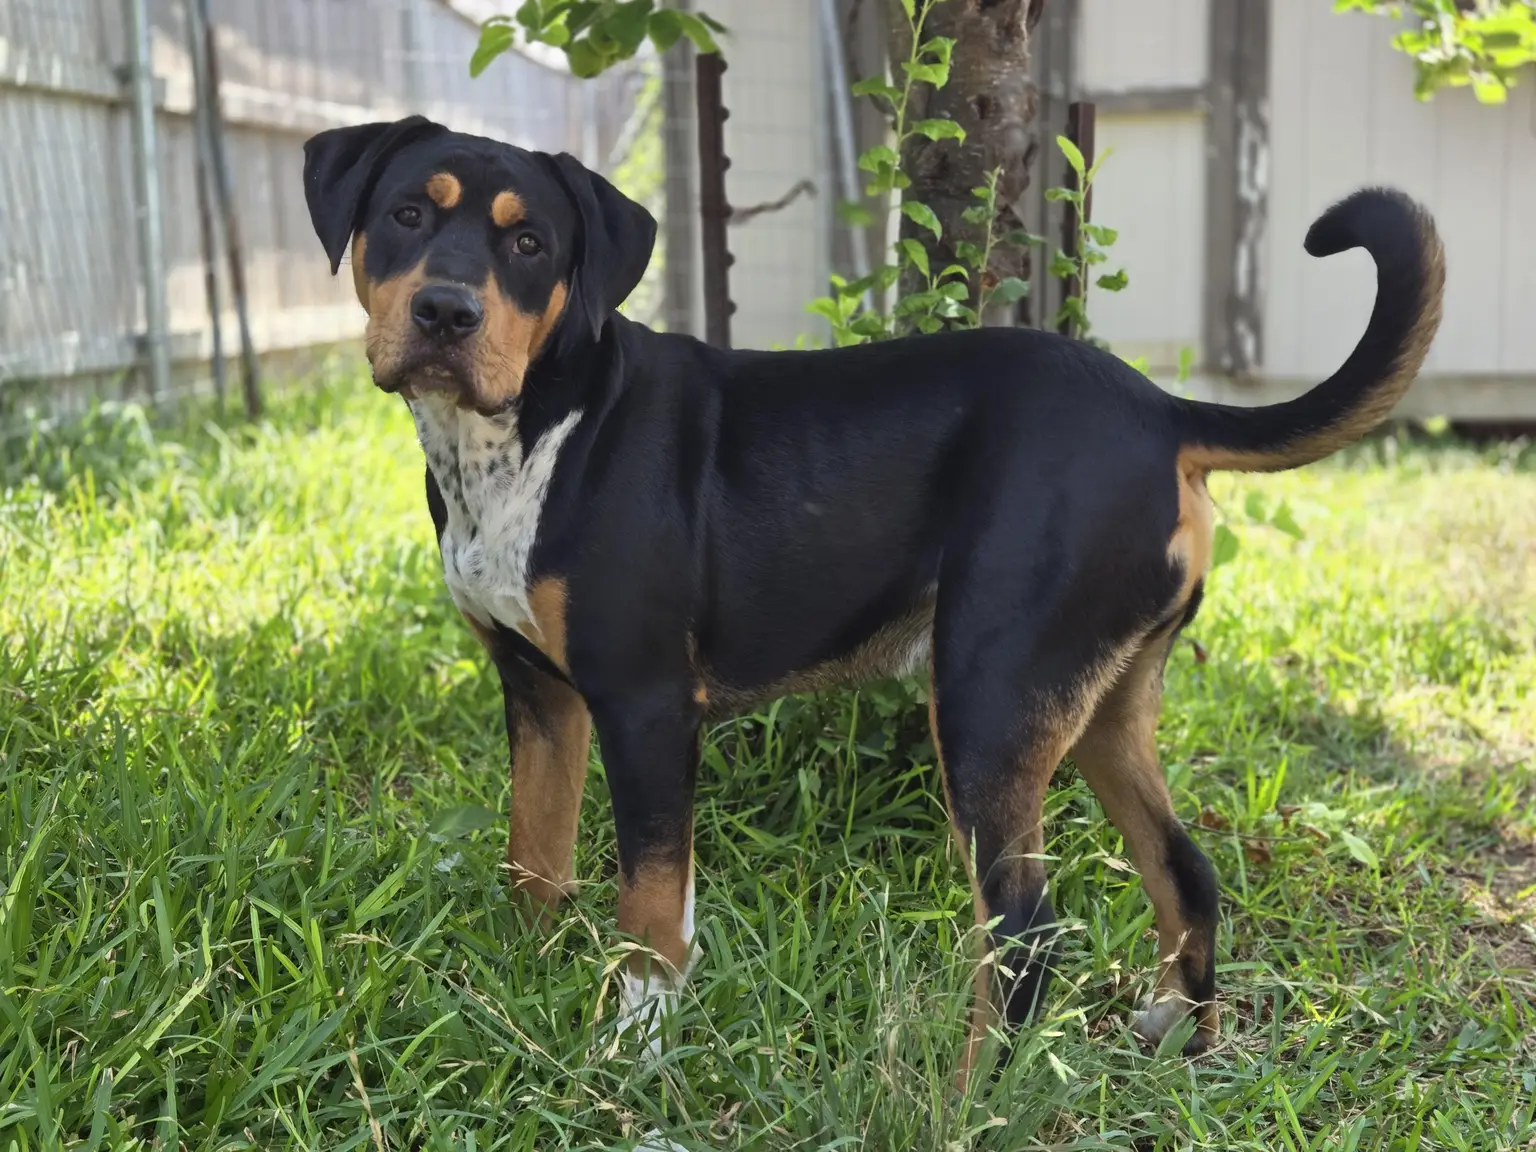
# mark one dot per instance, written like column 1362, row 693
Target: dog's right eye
column 408, row 217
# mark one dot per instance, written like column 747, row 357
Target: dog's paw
column 1163, row 1012
column 647, row 1002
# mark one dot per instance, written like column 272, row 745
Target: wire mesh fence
column 73, row 316
column 73, row 277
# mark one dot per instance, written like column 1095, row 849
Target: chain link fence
column 72, row 272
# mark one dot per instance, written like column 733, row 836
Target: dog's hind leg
column 1117, row 755
column 1004, row 708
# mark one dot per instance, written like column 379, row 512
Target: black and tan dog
column 646, row 532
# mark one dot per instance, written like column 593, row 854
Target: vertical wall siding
column 1343, row 116
column 69, row 271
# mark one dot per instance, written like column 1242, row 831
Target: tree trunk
column 990, row 95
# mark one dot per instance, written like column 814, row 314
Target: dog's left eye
column 528, row 244
column 408, row 217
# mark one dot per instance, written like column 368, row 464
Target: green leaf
column 970, row 252
column 712, row 24
column 579, row 14
column 1186, row 362
column 1073, row 155
column 1063, row 267
column 939, row 129
column 1022, row 238
column 935, row 74
column 1285, row 522
column 557, row 35
column 1489, row 89
column 923, row 216
column 854, row 214
column 665, row 29
column 928, row 325
column 530, row 16
column 906, row 6
column 1223, row 546
column 955, row 270
column 1010, row 289
column 827, row 308
column 1073, row 315
column 697, row 31
column 494, row 40
column 914, row 302
column 1057, row 195
column 1359, row 849
column 917, row 254
column 1100, row 234
column 1253, row 505
column 941, row 46
column 1113, row 281
column 585, row 60
column 976, row 214
column 877, row 86
column 872, row 159
column 954, row 290
column 461, row 820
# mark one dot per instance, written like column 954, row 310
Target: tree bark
column 990, row 95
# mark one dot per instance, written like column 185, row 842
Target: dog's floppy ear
column 341, row 166
column 617, row 236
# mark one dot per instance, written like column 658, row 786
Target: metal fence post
column 146, row 171
column 714, row 208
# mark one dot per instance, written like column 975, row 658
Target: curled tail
column 1410, row 281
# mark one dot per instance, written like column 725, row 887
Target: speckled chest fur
column 494, row 491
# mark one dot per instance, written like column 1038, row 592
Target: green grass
column 249, row 897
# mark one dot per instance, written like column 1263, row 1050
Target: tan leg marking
column 546, row 601
column 1117, row 756
column 1019, row 869
column 549, row 773
column 1190, row 545
column 654, row 908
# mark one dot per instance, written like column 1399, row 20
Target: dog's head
column 472, row 258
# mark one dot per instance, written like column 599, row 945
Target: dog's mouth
column 436, row 373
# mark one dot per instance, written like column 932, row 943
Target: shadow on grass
column 262, row 773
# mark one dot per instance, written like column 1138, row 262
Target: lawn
column 252, row 814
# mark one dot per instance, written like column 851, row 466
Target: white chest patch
column 495, row 493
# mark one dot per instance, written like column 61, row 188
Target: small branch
column 743, row 215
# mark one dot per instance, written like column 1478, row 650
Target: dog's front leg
column 550, row 734
column 649, row 745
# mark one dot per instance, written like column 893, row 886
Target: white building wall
column 773, row 87
column 1343, row 116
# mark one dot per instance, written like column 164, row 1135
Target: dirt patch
column 1499, row 885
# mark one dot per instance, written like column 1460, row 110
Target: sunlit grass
column 234, row 698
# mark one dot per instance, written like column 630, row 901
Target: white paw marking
column 1159, row 1017
column 647, row 1001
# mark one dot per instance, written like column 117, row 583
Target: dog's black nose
column 446, row 312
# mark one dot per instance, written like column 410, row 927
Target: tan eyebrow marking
column 506, row 210
column 444, row 189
